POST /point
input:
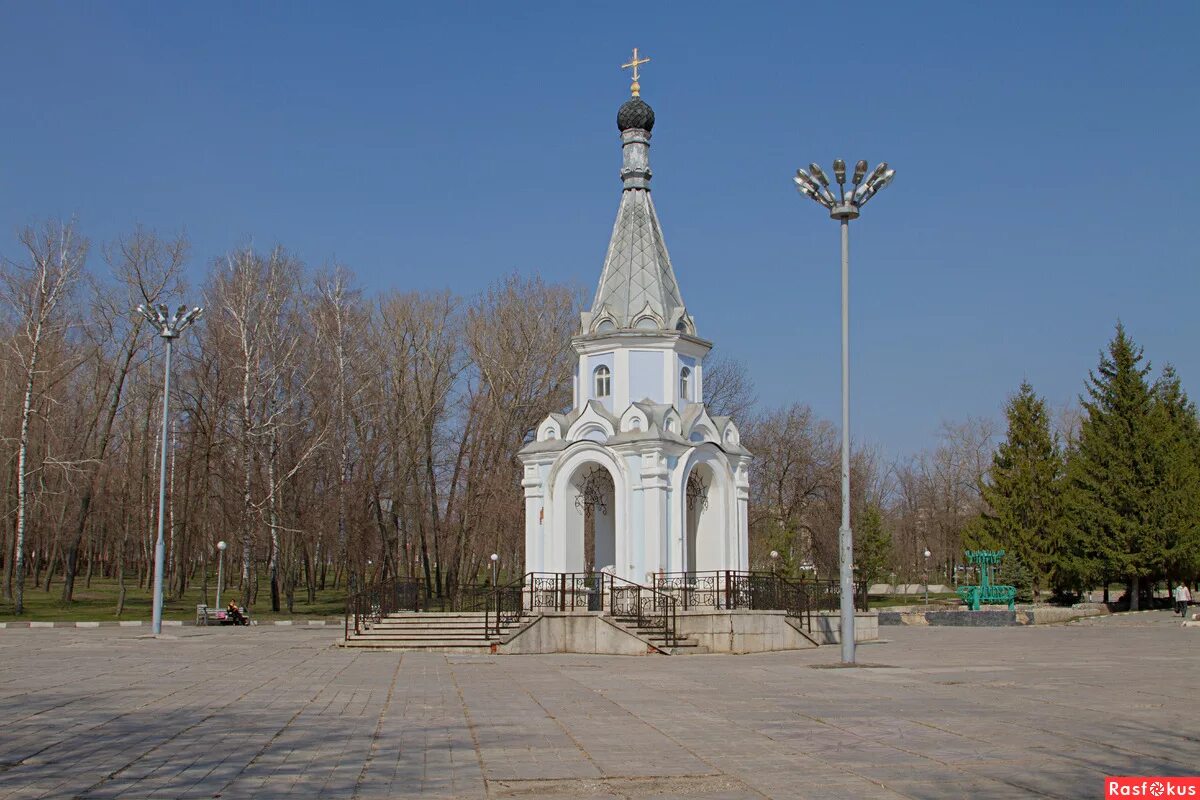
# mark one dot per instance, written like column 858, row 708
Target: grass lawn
column 935, row 598
column 99, row 603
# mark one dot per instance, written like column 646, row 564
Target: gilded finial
column 635, row 88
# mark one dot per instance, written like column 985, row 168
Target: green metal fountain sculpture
column 986, row 591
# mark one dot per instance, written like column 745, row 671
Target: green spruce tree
column 1177, row 508
column 1110, row 495
column 872, row 549
column 1022, row 490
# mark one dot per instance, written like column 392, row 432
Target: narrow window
column 684, row 374
column 603, row 381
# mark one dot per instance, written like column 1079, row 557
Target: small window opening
column 603, row 381
column 684, row 374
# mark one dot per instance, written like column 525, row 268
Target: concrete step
column 692, row 650
column 423, row 635
column 400, row 641
column 681, row 646
column 430, row 626
column 385, row 644
column 443, row 632
column 437, row 617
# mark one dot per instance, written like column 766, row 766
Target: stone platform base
column 706, row 631
column 989, row 617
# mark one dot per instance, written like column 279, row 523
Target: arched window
column 684, row 374
column 603, row 380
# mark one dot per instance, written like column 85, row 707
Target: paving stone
column 278, row 710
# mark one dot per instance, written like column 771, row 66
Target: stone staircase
column 428, row 631
column 656, row 637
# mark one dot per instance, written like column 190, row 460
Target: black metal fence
column 649, row 607
column 644, row 606
column 366, row 607
column 759, row 591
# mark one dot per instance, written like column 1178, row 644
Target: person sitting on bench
column 235, row 614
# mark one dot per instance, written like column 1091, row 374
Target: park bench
column 987, row 593
column 216, row 616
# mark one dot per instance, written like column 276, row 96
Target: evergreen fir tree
column 1022, row 489
column 1013, row 572
column 1177, row 510
column 1112, row 472
column 872, row 549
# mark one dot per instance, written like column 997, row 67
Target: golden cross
column 636, row 88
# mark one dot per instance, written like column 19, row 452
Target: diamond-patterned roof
column 637, row 270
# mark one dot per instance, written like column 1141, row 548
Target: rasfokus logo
column 1150, row 786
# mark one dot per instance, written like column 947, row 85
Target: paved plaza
column 942, row 713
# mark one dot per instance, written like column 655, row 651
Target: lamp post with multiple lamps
column 220, row 569
column 169, row 327
column 843, row 207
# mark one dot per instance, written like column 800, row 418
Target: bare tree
column 144, row 267
column 35, row 290
column 728, row 388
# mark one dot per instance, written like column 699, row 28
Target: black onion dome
column 635, row 114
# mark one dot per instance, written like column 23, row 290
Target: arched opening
column 704, row 513
column 603, row 381
column 684, row 375
column 591, row 520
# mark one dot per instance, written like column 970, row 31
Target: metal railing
column 505, row 606
column 368, row 606
column 648, row 607
column 534, row 593
column 759, row 591
column 564, row 591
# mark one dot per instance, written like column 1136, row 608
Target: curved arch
column 590, row 420
column 709, row 535
column 604, row 325
column 633, row 419
column 648, row 319
column 565, row 536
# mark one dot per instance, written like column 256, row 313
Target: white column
column 655, row 482
column 742, row 495
column 535, row 522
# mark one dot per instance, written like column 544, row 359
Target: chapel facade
column 638, row 479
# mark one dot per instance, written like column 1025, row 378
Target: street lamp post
column 925, row 575
column 220, row 569
column 169, row 328
column 495, row 559
column 844, row 207
column 774, row 560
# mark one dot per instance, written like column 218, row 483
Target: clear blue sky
column 1044, row 156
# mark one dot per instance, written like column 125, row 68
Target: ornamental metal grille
column 697, row 492
column 597, row 485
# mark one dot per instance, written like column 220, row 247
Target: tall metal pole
column 159, row 547
column 844, row 206
column 220, row 570
column 845, row 536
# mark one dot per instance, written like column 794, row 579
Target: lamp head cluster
column 169, row 325
column 844, row 204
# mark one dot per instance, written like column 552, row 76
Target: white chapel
column 638, row 479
